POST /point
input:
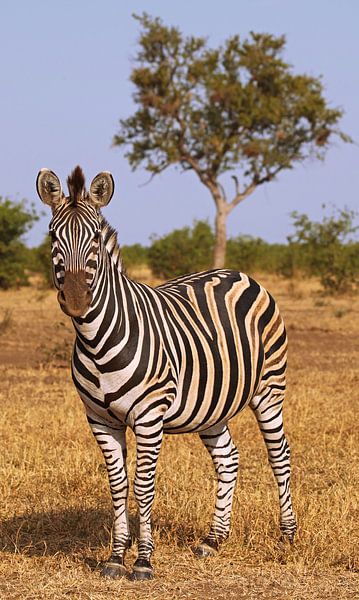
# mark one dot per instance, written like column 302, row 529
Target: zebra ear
column 101, row 189
column 49, row 187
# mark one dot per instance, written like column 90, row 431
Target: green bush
column 243, row 253
column 293, row 261
column 42, row 260
column 15, row 220
column 134, row 255
column 248, row 254
column 189, row 250
column 182, row 251
column 324, row 249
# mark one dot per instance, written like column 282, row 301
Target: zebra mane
column 109, row 235
column 76, row 185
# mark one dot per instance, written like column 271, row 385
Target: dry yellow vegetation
column 55, row 506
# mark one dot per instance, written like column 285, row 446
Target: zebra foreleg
column 268, row 410
column 148, row 441
column 224, row 454
column 113, row 445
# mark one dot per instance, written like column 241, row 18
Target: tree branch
column 223, row 191
column 216, row 189
column 157, row 172
column 256, row 181
column 242, row 196
column 236, row 184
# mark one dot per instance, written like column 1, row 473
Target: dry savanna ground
column 55, row 509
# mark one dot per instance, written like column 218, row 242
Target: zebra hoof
column 204, row 551
column 142, row 570
column 114, row 570
column 287, row 538
column 288, row 531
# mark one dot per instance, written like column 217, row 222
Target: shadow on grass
column 76, row 530
column 47, row 533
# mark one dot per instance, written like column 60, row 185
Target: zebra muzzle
column 75, row 297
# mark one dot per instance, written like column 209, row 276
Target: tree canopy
column 235, row 109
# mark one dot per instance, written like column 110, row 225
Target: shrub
column 134, row 255
column 42, row 260
column 250, row 255
column 188, row 250
column 15, row 220
column 325, row 250
column 182, row 251
column 243, row 253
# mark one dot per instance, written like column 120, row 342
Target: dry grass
column 56, row 508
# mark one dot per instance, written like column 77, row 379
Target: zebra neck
column 114, row 316
column 111, row 246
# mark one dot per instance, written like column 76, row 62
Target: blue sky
column 65, row 69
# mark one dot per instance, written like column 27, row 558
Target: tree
column 327, row 249
column 15, row 220
column 235, row 109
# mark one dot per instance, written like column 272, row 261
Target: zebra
column 185, row 356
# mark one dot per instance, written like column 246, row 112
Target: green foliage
column 134, row 255
column 188, row 250
column 42, row 260
column 293, row 261
column 238, row 106
column 325, row 249
column 15, row 220
column 322, row 249
column 252, row 255
column 244, row 253
column 182, row 251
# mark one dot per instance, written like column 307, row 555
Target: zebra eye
column 96, row 235
column 52, row 235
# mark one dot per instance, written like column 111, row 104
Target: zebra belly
column 216, row 391
column 194, row 423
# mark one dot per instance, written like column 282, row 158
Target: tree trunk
column 219, row 254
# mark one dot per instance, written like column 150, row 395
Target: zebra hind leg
column 224, row 454
column 268, row 411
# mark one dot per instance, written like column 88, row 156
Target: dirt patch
column 323, row 349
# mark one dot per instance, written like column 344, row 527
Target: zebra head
column 75, row 230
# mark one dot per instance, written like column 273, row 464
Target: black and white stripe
column 183, row 357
